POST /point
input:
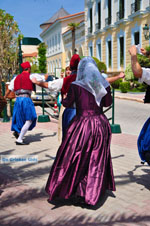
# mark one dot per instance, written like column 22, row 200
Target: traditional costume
column 83, row 165
column 70, row 111
column 24, row 114
column 143, row 142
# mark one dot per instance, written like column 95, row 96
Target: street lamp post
column 20, row 56
column 146, row 30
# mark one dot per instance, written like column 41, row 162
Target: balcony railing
column 120, row 15
column 97, row 26
column 107, row 21
column 89, row 30
column 135, row 6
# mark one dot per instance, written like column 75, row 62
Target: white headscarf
column 89, row 77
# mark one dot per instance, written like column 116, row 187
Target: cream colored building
column 54, row 35
column 79, row 42
column 112, row 26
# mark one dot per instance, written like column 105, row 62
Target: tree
column 9, row 33
column 42, row 57
column 73, row 27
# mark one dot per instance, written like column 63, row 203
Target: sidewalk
column 23, row 201
column 130, row 96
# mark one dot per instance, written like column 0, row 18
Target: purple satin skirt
column 83, row 165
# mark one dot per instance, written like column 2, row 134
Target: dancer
column 143, row 74
column 83, row 165
column 24, row 114
column 61, row 108
column 63, row 84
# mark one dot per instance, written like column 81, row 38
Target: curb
column 130, row 98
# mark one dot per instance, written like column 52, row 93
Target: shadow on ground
column 79, row 220
column 38, row 137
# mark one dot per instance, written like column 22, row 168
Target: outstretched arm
column 136, row 68
column 115, row 78
column 54, row 85
column 39, row 83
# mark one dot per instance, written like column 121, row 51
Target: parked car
column 49, row 97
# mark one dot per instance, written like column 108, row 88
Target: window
column 121, row 9
column 109, row 11
column 50, row 45
column 56, row 42
column 99, row 51
column 137, row 5
column 109, row 54
column 137, row 38
column 91, row 21
column 121, row 51
column 91, row 51
column 99, row 15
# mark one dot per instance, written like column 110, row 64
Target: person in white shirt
column 24, row 114
column 143, row 74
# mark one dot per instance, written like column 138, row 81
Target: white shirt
column 145, row 76
column 40, row 78
column 104, row 75
column 55, row 85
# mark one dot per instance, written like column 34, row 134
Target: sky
column 29, row 14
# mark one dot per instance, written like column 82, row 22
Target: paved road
column 131, row 115
column 23, row 201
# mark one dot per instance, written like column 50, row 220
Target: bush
column 143, row 61
column 124, row 87
column 129, row 74
column 96, row 60
column 116, row 84
column 102, row 66
column 141, row 87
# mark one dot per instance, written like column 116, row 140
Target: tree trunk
column 73, row 41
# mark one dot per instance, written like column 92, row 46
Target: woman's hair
column 67, row 68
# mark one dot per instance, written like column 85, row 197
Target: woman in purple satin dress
column 83, row 165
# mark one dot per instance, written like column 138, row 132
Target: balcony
column 135, row 6
column 119, row 15
column 107, row 21
column 89, row 30
column 97, row 26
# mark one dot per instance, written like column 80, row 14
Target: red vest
column 23, row 81
column 67, row 81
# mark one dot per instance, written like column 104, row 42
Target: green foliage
column 9, row 33
column 96, row 60
column 124, row 87
column 102, row 66
column 129, row 74
column 116, row 84
column 141, row 87
column 143, row 61
column 42, row 57
column 35, row 69
column 73, row 26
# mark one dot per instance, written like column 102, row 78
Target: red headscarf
column 25, row 65
column 71, row 78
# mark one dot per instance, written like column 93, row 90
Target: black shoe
column 21, row 143
column 16, row 134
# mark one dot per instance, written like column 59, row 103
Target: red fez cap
column 25, row 65
column 75, row 59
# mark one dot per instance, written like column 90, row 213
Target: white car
column 49, row 97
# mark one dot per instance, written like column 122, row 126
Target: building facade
column 111, row 27
column 53, row 34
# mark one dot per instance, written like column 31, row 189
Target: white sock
column 24, row 130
